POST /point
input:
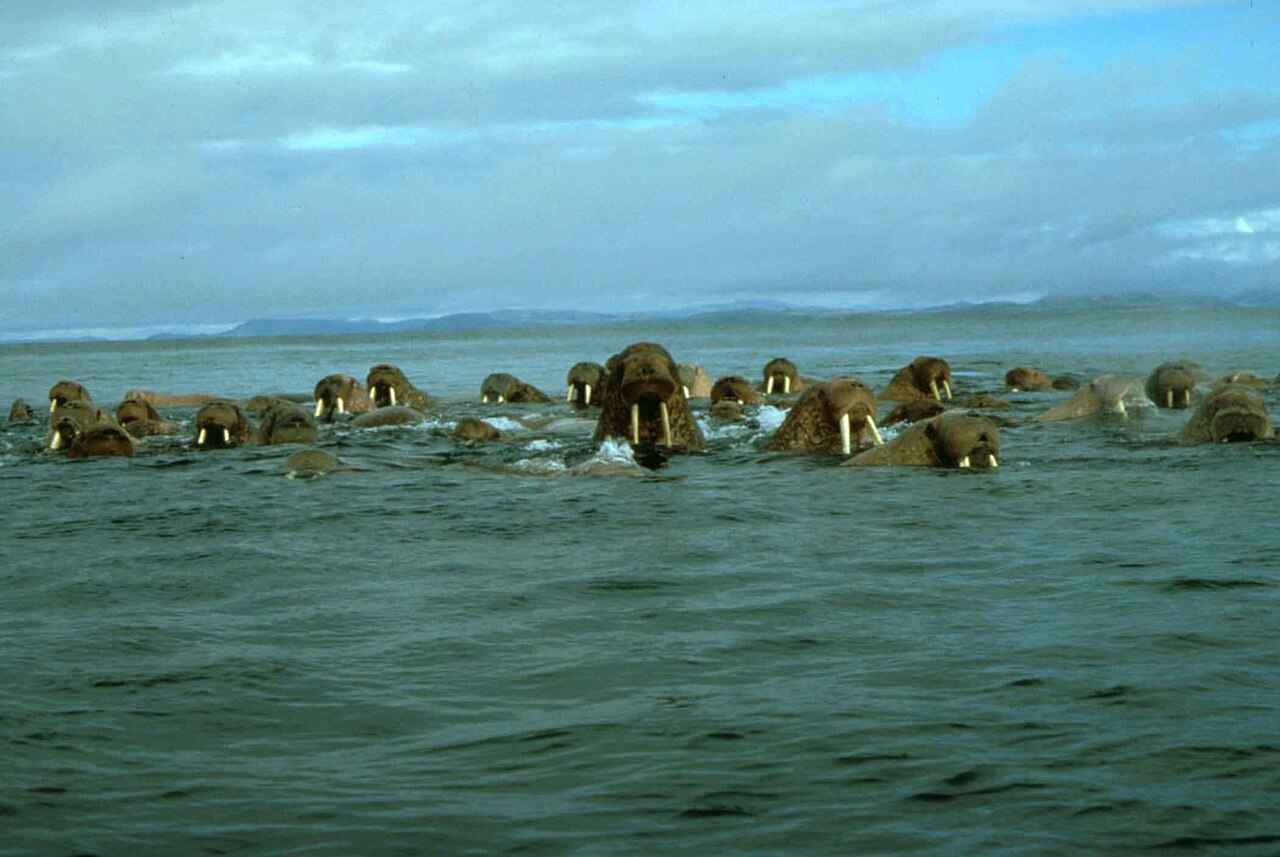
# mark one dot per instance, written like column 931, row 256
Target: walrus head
column 339, row 394
column 386, row 383
column 965, row 440
column 647, row 380
column 780, row 376
column 733, row 388
column 584, row 380
column 66, row 391
column 220, row 425
column 134, row 409
column 102, row 439
column 931, row 375
column 285, row 422
column 1235, row 414
column 69, row 421
column 851, row 405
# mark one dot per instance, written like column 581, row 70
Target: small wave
column 543, row 445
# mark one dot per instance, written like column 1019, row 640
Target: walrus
column 170, row 400
column 584, row 380
column 1171, row 384
column 387, row 386
column 140, row 419
column 829, row 418
column 1230, row 414
column 286, row 422
column 1105, row 394
column 103, row 438
column 643, row 401
column 221, row 424
column 20, row 412
column 67, row 391
column 914, row 412
column 340, row 394
column 735, row 388
column 922, row 378
column 71, row 419
column 695, row 381
column 471, row 429
column 1028, row 380
column 310, row 463
column 947, row 440
column 781, row 376
column 1244, row 377
column 504, row 387
column 394, row 415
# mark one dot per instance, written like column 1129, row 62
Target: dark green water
column 538, row 646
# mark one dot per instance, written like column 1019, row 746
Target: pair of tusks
column 666, row 424
column 1186, row 398
column 846, row 433
column 786, row 385
column 991, row 461
column 341, row 405
column 226, row 435
column 586, row 394
column 485, row 399
column 933, row 387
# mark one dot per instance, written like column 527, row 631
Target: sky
column 191, row 165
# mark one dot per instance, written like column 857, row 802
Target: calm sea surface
column 538, row 646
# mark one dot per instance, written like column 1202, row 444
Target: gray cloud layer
column 203, row 162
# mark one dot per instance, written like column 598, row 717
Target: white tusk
column 946, row 385
column 1186, row 398
column 203, row 434
column 1168, row 398
column 933, row 387
column 319, row 407
column 56, row 443
column 53, row 405
column 501, row 398
column 1120, row 409
column 768, row 387
column 484, row 398
column 740, row 402
column 635, row 424
column 226, row 436
column 991, row 461
column 786, row 383
column 964, row 462
column 846, row 435
column 666, row 424
column 586, row 394
column 569, row 398
column 875, row 432
column 342, row 406
column 392, row 392
column 686, row 390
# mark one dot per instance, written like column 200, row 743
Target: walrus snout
column 1238, row 425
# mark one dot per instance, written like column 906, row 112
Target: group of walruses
column 643, row 396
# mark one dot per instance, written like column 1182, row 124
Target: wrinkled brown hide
column 644, row 377
column 140, row 419
column 502, row 387
column 813, row 423
column 914, row 412
column 584, row 380
column 1243, row 377
column 20, row 412
column 170, row 400
column 340, row 394
column 471, row 429
column 735, row 388
column 947, row 440
column 387, row 386
column 104, row 438
column 922, row 378
column 397, row 415
column 221, row 424
column 286, row 422
column 1028, row 380
column 1230, row 414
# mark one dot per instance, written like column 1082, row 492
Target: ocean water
column 538, row 646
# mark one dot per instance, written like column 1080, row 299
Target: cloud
column 222, row 159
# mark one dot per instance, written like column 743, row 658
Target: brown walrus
column 644, row 403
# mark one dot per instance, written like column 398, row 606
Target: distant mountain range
column 735, row 311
